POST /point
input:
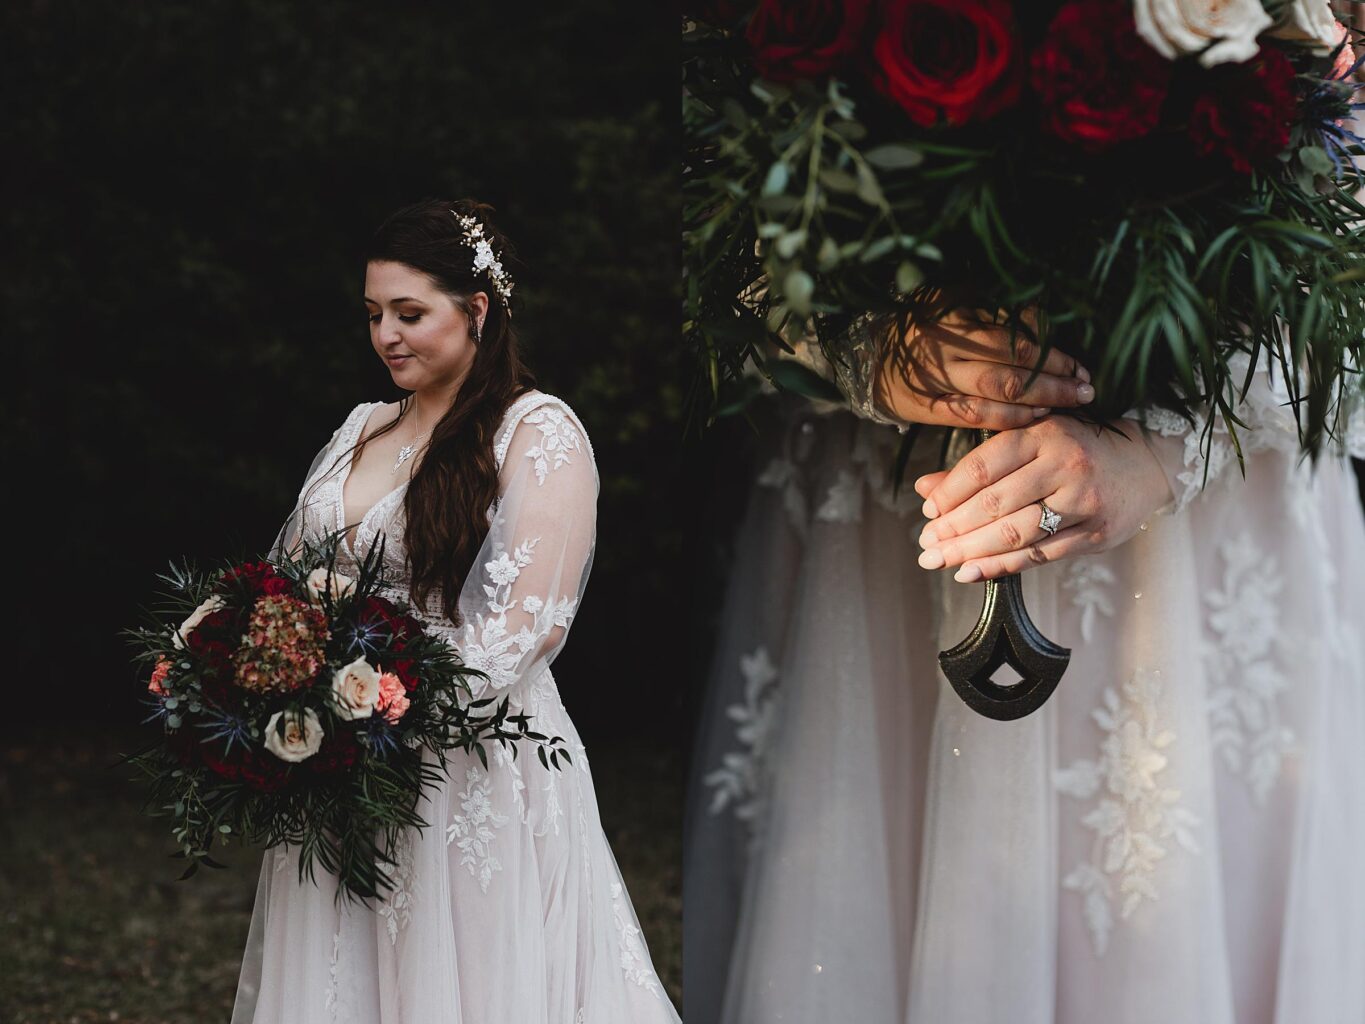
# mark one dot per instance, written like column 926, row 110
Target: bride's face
column 423, row 337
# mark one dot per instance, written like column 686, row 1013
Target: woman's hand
column 984, row 511
column 962, row 372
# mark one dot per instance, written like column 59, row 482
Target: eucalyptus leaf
column 896, row 156
column 789, row 243
column 908, row 277
column 776, row 181
column 798, row 288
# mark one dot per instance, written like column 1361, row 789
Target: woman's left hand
column 984, row 513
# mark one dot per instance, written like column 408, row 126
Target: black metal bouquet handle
column 1004, row 635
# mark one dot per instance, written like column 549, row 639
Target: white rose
column 320, row 581
column 356, row 688
column 302, row 735
column 197, row 616
column 1312, row 22
column 1177, row 27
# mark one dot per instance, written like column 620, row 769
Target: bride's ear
column 478, row 304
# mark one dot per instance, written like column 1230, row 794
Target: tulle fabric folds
column 1173, row 838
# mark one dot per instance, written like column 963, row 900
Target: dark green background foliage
column 192, row 187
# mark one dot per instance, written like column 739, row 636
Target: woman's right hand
column 959, row 371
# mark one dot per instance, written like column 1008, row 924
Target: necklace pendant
column 404, row 453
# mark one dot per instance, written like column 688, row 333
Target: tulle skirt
column 1174, row 838
column 509, row 907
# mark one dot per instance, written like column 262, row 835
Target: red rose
column 260, row 578
column 1099, row 83
column 337, row 753
column 1245, row 113
column 215, row 638
column 796, row 39
column 948, row 60
column 260, row 772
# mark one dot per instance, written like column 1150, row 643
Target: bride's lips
column 395, row 361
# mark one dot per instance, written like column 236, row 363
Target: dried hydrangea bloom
column 283, row 646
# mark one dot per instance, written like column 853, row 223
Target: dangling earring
column 478, row 330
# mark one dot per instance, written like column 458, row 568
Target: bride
column 509, row 906
column 1175, row 836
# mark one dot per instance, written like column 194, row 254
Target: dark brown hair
column 448, row 498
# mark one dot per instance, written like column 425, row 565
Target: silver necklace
column 408, row 451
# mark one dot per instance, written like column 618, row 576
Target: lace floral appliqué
column 396, row 908
column 1245, row 678
column 473, row 830
column 739, row 781
column 1136, row 815
column 1087, row 579
column 487, row 644
column 559, row 439
column 634, row 962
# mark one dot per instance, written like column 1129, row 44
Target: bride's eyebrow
column 394, row 302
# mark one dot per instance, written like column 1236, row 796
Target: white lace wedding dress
column 1175, row 838
column 509, row 907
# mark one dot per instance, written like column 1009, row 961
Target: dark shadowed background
column 189, row 186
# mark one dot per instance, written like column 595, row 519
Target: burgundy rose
column 242, row 764
column 337, row 753
column 215, row 638
column 799, row 39
column 1244, row 114
column 259, row 578
column 948, row 60
column 1099, row 83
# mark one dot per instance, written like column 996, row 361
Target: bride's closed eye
column 406, row 319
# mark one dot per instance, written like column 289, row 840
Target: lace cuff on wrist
column 1270, row 425
column 856, row 374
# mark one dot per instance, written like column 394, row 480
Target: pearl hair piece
column 485, row 259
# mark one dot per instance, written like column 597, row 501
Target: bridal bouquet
column 1165, row 184
column 295, row 704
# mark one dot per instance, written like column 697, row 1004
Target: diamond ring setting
column 1051, row 522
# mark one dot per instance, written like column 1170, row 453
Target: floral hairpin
column 485, row 259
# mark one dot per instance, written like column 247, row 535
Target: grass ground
column 97, row 928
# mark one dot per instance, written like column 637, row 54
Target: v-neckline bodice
column 345, row 475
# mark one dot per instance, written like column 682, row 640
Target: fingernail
column 1085, row 393
column 967, row 574
column 930, row 510
column 1040, row 413
column 928, row 538
column 931, row 559
column 1083, row 373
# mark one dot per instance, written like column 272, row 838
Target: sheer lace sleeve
column 856, row 373
column 1194, row 458
column 290, row 533
column 521, row 595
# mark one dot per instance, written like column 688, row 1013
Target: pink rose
column 393, row 697
column 158, row 681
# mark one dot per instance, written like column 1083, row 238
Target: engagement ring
column 1051, row 521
